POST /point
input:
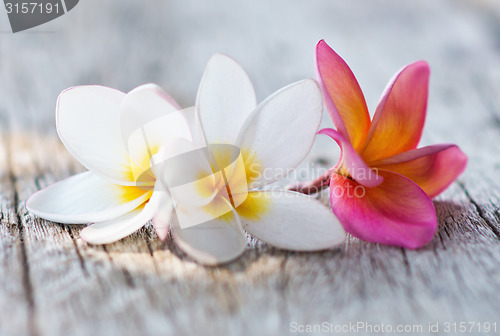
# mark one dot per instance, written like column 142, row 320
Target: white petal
column 121, row 227
column 225, row 99
column 215, row 242
column 88, row 123
column 149, row 119
column 197, row 187
column 281, row 131
column 294, row 221
column 85, row 198
column 182, row 169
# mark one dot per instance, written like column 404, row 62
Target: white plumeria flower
column 271, row 138
column 106, row 130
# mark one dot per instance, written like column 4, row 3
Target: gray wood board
column 52, row 283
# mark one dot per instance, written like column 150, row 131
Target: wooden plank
column 14, row 294
column 52, row 283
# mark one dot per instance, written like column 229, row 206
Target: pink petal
column 342, row 95
column 357, row 168
column 433, row 168
column 397, row 212
column 399, row 119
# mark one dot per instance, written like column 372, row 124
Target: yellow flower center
column 232, row 184
column 343, row 171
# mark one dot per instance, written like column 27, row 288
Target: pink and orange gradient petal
column 351, row 161
column 342, row 95
column 433, row 168
column 397, row 212
column 399, row 119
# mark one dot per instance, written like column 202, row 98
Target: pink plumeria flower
column 105, row 130
column 381, row 189
column 271, row 138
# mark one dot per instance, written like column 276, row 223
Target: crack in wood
column 479, row 210
column 28, row 286
column 169, row 244
column 282, row 284
column 148, row 238
column 406, row 262
column 283, row 278
column 129, row 279
column 78, row 252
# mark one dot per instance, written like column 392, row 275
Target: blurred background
column 126, row 43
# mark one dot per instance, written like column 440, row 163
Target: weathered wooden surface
column 52, row 283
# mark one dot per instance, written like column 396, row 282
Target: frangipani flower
column 266, row 141
column 106, row 130
column 381, row 188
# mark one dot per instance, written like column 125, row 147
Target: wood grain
column 52, row 283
